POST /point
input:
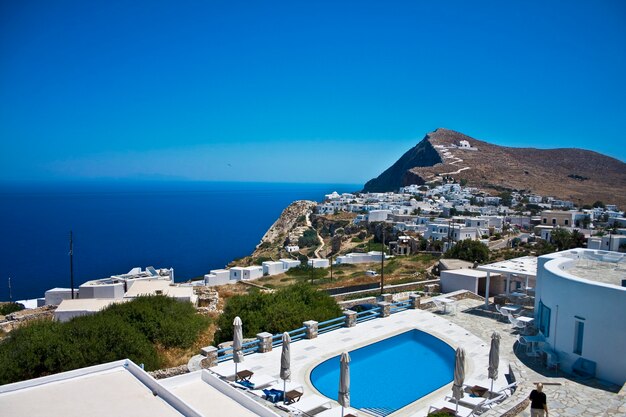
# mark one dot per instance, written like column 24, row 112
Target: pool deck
column 306, row 354
column 469, row 328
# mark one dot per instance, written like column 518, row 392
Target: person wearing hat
column 538, row 402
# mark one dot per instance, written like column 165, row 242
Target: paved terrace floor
column 471, row 329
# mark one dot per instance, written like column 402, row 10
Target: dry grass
column 176, row 356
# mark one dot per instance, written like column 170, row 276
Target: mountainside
column 570, row 174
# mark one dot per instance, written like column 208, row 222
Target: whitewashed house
column 252, row 272
column 292, row 248
column 273, row 268
column 319, row 263
column 290, row 263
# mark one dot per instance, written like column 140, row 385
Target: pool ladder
column 378, row 411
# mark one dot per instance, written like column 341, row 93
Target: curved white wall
column 602, row 306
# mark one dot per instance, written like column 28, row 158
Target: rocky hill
column 570, row 174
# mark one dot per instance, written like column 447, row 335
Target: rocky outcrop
column 288, row 221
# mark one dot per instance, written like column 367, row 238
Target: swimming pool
column 392, row 373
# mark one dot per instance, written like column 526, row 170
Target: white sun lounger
column 462, row 410
column 308, row 404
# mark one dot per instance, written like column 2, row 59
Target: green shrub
column 128, row 330
column 308, row 239
column 278, row 312
column 11, row 307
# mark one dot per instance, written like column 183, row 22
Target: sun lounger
column 257, row 381
column 307, row 404
column 450, row 407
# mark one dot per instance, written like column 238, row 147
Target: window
column 566, row 222
column 553, row 221
column 579, row 333
column 545, row 220
column 544, row 319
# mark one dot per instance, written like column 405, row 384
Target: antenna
column 72, row 264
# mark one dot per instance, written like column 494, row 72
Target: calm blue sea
column 192, row 227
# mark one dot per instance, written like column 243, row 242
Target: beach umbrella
column 459, row 376
column 494, row 358
column 237, row 342
column 344, row 381
column 285, row 363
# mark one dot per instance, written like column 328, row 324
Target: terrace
column 471, row 329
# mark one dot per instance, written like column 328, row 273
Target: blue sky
column 324, row 91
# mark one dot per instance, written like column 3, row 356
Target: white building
column 252, row 272
column 292, row 248
column 319, row 263
column 378, row 215
column 273, row 268
column 289, row 263
column 161, row 287
column 360, row 258
column 580, row 306
column 472, row 280
column 55, row 296
column 68, row 309
column 236, row 273
column 608, row 242
column 218, row 277
column 103, row 288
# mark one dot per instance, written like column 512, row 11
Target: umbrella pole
column 235, row 371
column 457, row 407
column 491, row 390
column 285, row 390
column 342, row 411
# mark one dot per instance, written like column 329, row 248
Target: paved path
column 569, row 399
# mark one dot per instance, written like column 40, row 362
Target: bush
column 11, row 307
column 277, row 312
column 308, row 239
column 129, row 330
column 469, row 250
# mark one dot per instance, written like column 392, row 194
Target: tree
column 336, row 244
column 277, row 312
column 562, row 238
column 599, row 204
column 469, row 250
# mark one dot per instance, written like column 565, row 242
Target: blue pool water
column 392, row 373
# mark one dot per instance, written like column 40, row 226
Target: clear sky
column 298, row 91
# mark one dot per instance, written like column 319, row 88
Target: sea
column 192, row 227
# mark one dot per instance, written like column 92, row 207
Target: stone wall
column 169, row 372
column 14, row 320
column 391, row 289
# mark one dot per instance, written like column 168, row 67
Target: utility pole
column 331, row 267
column 382, row 264
column 72, row 264
column 10, row 294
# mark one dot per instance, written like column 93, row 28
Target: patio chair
column 515, row 323
column 503, row 313
column 440, row 305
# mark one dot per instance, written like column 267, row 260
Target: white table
column 511, row 308
column 448, row 304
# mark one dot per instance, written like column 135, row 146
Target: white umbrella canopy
column 459, row 376
column 494, row 358
column 285, row 363
column 237, row 342
column 344, row 381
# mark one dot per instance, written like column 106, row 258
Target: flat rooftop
column 100, row 391
column 525, row 265
column 599, row 266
